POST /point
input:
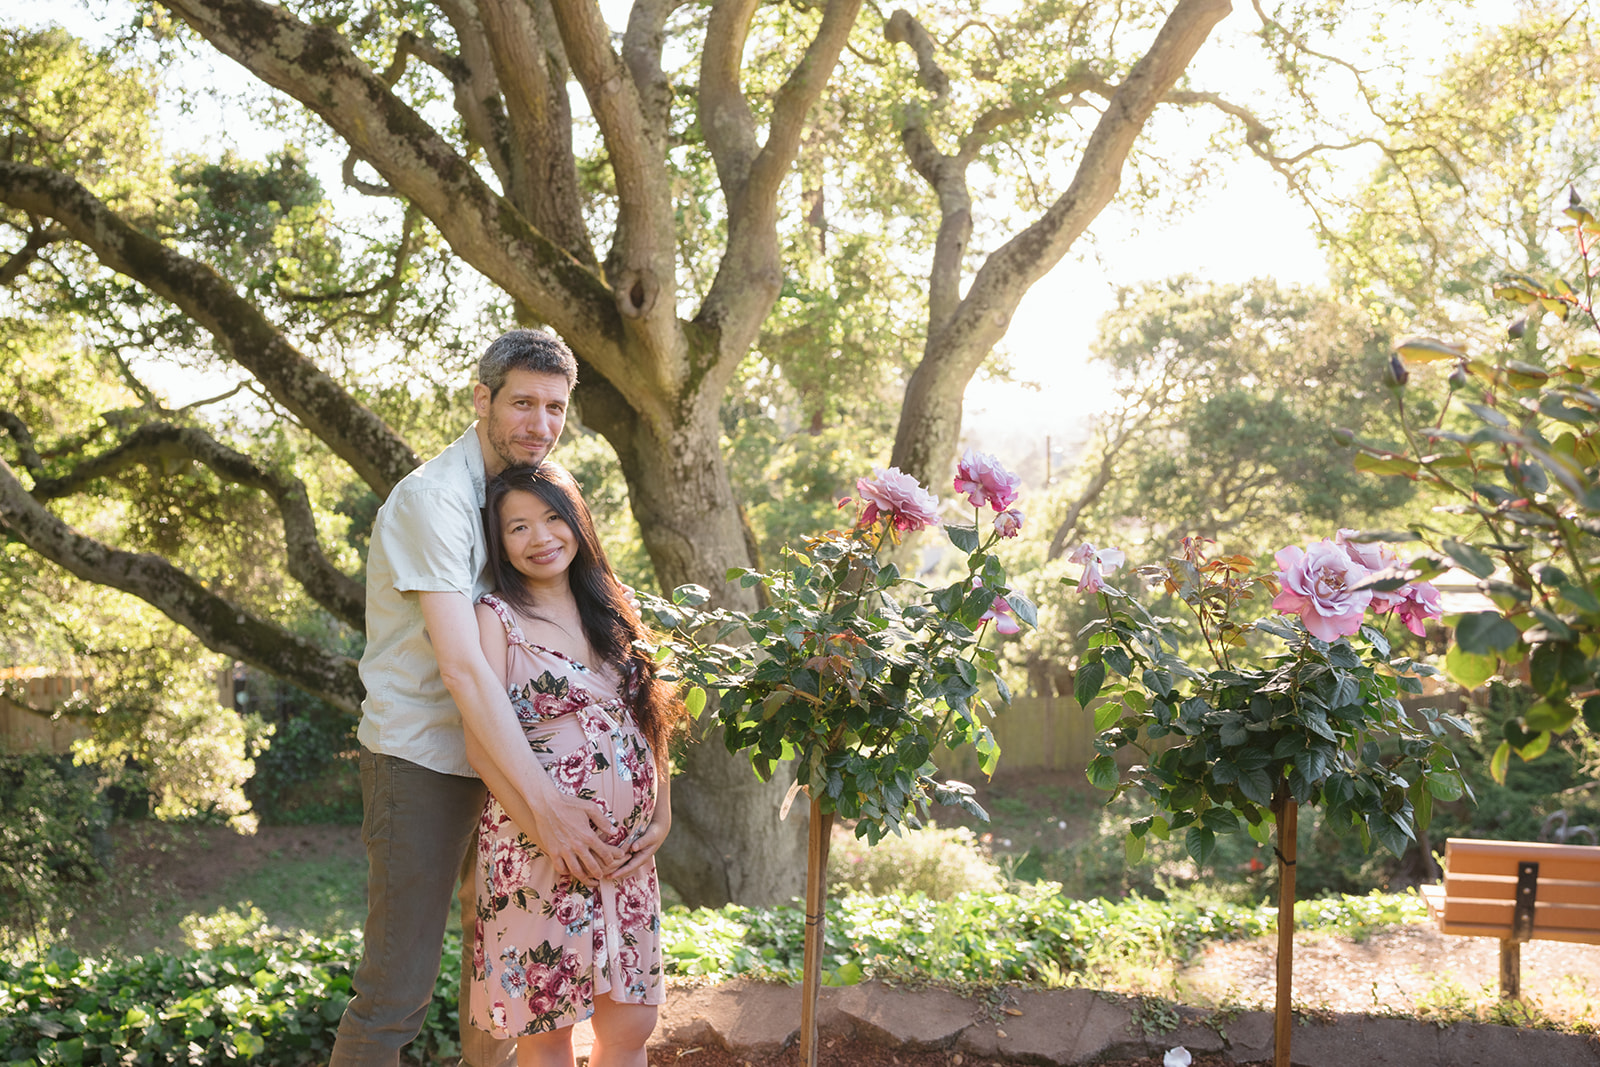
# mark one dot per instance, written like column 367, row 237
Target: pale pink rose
column 628, row 959
column 570, row 964
column 1319, row 586
column 1008, row 522
column 571, row 909
column 512, row 866
column 633, row 905
column 898, row 496
column 1097, row 563
column 1420, row 603
column 571, row 772
column 1374, row 557
column 985, row 481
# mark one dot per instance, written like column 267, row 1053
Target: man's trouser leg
column 417, row 825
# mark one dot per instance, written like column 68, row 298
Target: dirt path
column 1406, row 970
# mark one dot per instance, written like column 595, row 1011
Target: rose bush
column 854, row 670
column 1304, row 706
column 1514, row 452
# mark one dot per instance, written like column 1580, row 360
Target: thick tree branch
column 931, row 418
column 12, row 423
column 39, row 238
column 642, row 44
column 642, row 262
column 726, row 121
column 154, row 442
column 316, row 66
column 531, row 67
column 750, row 274
column 351, row 430
column 223, row 626
column 477, row 90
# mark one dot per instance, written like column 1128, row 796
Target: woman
column 552, row 950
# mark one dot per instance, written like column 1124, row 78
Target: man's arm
column 566, row 828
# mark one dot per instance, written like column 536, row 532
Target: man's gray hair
column 529, row 350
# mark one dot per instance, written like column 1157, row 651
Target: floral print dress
column 547, row 946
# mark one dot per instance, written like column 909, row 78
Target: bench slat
column 1578, row 863
column 1583, row 937
column 1545, row 916
column 1495, row 887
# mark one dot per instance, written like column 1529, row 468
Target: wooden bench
column 1516, row 891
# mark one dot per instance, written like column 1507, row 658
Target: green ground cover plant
column 269, row 997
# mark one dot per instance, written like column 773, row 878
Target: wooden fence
column 1055, row 734
column 25, row 722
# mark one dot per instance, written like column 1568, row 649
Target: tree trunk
column 727, row 842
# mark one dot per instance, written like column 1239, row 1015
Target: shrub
column 271, row 998
column 306, row 772
column 52, row 841
column 937, row 862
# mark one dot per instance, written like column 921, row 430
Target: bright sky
column 1243, row 225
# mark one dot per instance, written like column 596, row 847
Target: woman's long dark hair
column 609, row 621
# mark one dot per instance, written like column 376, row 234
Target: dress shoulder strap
column 500, row 608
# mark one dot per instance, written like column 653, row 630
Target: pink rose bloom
column 1420, row 603
column 1374, row 557
column 980, row 476
column 633, row 906
column 1008, row 522
column 1005, row 621
column 889, row 492
column 571, row 772
column 1318, row 585
column 1097, row 563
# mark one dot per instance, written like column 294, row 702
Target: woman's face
column 537, row 540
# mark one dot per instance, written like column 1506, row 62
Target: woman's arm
column 565, row 828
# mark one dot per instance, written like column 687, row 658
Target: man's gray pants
column 420, row 828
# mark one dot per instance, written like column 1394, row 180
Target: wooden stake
column 1286, row 814
column 821, row 835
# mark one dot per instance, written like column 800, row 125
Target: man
column 425, row 674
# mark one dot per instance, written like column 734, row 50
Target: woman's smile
column 538, row 542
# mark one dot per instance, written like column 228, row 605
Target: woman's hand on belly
column 642, row 850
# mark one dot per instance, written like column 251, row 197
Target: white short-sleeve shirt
column 428, row 538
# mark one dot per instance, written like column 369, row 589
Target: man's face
column 524, row 419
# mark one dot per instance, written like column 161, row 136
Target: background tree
column 656, row 230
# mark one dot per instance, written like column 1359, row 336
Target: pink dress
column 546, row 945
